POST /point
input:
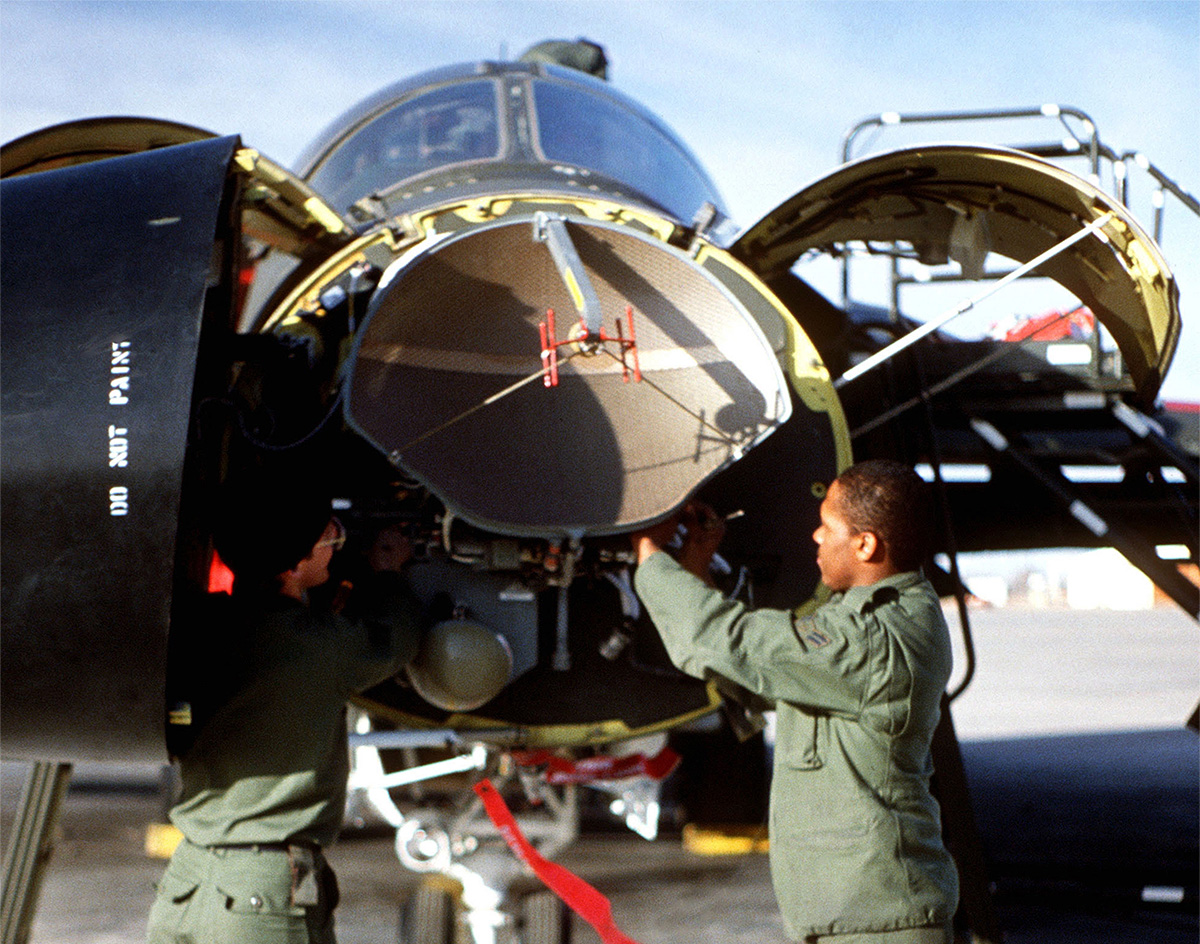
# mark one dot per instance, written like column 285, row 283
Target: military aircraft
column 502, row 304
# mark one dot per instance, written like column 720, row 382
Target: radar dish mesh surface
column 448, row 380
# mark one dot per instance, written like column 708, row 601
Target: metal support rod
column 476, row 760
column 434, row 737
column 552, row 230
column 561, row 659
column 396, row 456
column 30, row 843
column 934, row 323
column 960, row 593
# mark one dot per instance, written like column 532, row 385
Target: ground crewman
column 856, row 846
column 265, row 760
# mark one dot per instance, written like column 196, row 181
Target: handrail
column 1059, row 112
column 1157, row 199
column 1070, row 146
column 1085, row 143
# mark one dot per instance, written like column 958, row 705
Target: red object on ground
column 580, row 897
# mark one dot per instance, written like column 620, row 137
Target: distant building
column 991, row 589
column 1104, row 580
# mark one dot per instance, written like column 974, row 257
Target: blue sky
column 762, row 90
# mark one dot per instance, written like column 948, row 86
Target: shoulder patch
column 810, row 635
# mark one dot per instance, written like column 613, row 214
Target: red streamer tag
column 560, row 770
column 580, row 897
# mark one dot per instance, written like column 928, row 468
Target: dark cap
column 264, row 526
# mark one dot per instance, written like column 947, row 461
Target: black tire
column 428, row 917
column 545, row 919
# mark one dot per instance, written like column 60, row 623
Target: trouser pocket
column 177, row 892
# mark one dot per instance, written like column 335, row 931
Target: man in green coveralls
column 267, row 678
column 856, row 847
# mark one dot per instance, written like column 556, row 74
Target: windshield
column 449, row 125
column 576, row 126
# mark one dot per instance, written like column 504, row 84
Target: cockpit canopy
column 448, row 125
column 530, row 122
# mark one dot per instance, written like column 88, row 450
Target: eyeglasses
column 338, row 541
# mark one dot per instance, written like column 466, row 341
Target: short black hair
column 264, row 525
column 889, row 499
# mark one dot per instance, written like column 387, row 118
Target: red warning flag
column 560, row 770
column 580, row 897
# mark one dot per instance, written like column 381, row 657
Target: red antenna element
column 588, row 343
column 630, row 347
column 549, row 350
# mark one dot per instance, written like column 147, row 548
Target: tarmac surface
column 1085, row 784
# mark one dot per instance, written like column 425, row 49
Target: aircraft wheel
column 428, row 917
column 545, row 919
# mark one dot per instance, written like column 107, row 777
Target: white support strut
column 934, row 323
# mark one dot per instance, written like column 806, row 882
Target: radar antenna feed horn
column 589, row 336
column 587, row 343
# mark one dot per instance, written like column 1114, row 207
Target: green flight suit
column 856, row 843
column 264, row 781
